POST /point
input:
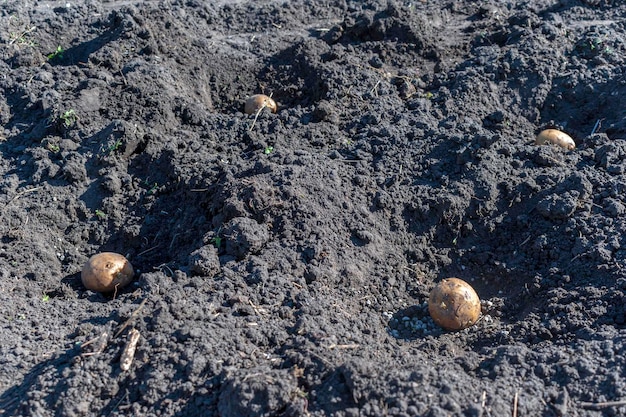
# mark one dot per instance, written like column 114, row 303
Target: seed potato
column 259, row 101
column 555, row 137
column 107, row 272
column 453, row 304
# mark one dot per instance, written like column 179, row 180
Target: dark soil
column 284, row 263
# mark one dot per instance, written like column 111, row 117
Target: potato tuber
column 258, row 102
column 107, row 272
column 453, row 304
column 555, row 137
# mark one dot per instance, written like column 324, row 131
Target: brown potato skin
column 555, row 137
column 107, row 272
column 258, row 101
column 453, row 304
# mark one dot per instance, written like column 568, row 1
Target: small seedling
column 429, row 95
column 100, row 214
column 110, row 147
column 152, row 188
column 268, row 150
column 114, row 147
column 58, row 54
column 69, row 118
column 53, row 147
column 596, row 43
column 45, row 298
column 216, row 241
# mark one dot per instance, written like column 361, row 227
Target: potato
column 259, row 101
column 453, row 304
column 555, row 137
column 107, row 272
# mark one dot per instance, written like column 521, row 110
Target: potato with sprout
column 259, row 102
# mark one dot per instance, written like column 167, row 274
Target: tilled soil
column 284, row 261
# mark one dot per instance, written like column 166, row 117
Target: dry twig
column 128, row 354
column 132, row 317
column 346, row 346
column 99, row 343
column 18, row 195
column 598, row 406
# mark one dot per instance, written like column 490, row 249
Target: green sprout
column 53, row 147
column 429, row 95
column 69, row 118
column 595, row 43
column 152, row 187
column 111, row 147
column 45, row 298
column 268, row 150
column 114, row 147
column 58, row 54
column 301, row 394
column 216, row 241
column 100, row 214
